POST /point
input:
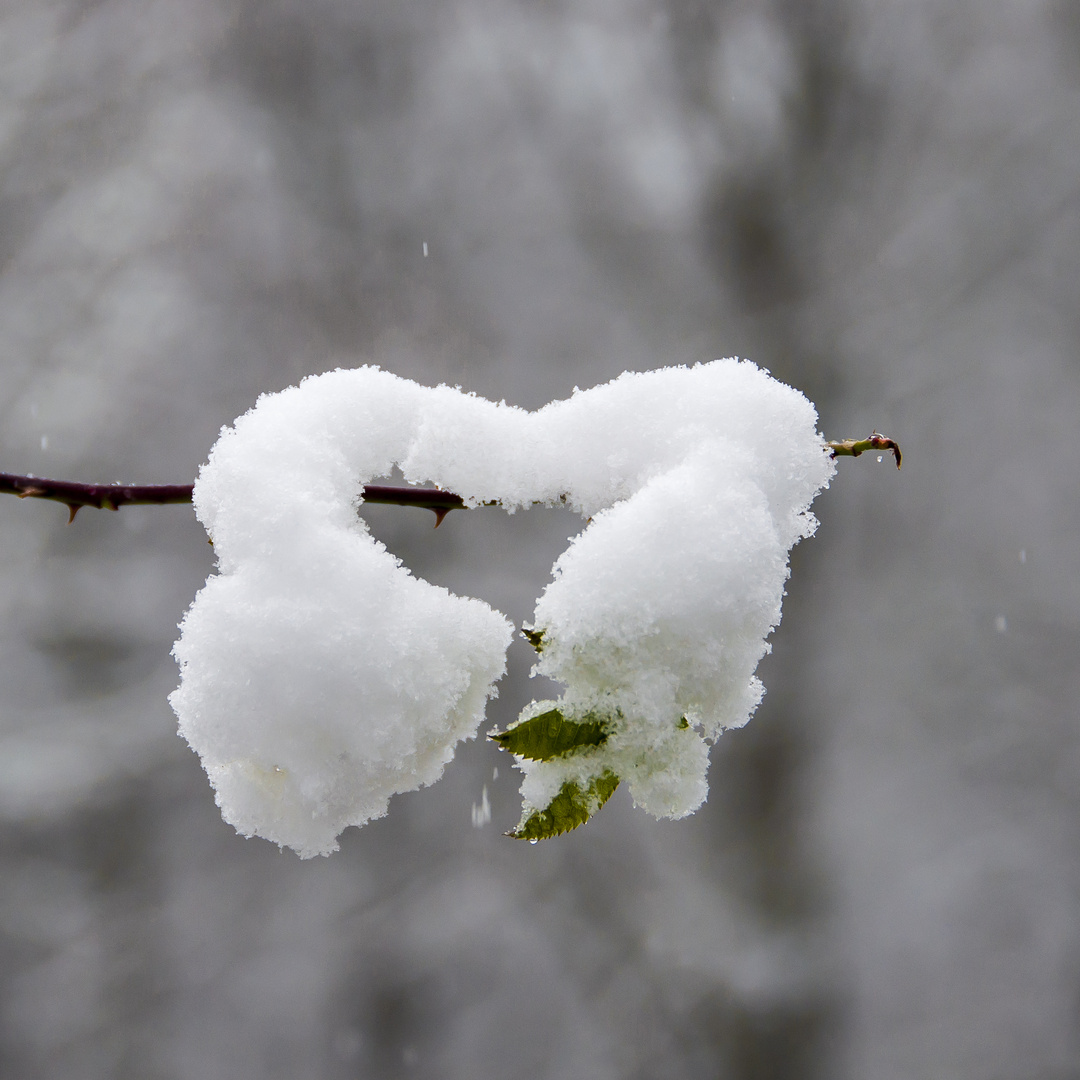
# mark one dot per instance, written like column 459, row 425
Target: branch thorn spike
column 73, row 509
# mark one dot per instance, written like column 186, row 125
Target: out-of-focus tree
column 203, row 201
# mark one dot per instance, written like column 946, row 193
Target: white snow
column 318, row 677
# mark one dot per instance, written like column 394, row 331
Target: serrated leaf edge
column 570, row 736
column 568, row 810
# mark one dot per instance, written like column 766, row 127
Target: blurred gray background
column 202, row 200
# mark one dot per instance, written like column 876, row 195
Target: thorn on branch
column 112, row 496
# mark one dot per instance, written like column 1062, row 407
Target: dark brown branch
column 435, row 499
column 100, row 496
column 113, row 496
column 439, row 502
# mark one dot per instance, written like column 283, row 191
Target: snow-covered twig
column 112, row 496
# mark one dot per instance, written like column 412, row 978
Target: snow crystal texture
column 319, row 677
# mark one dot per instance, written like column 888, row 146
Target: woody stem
column 113, row 496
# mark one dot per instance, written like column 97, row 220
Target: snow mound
column 319, row 677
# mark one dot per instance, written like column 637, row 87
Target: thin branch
column 434, row 499
column 113, row 496
column 439, row 502
column 100, row 496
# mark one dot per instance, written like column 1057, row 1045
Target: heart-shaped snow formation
column 319, row 677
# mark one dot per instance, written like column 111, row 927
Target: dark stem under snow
column 113, row 496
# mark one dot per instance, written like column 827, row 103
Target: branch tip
column 856, row 447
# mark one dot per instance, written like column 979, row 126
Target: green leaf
column 534, row 637
column 569, row 809
column 551, row 735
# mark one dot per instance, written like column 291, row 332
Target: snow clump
column 319, row 677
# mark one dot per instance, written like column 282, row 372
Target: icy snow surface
column 319, row 677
